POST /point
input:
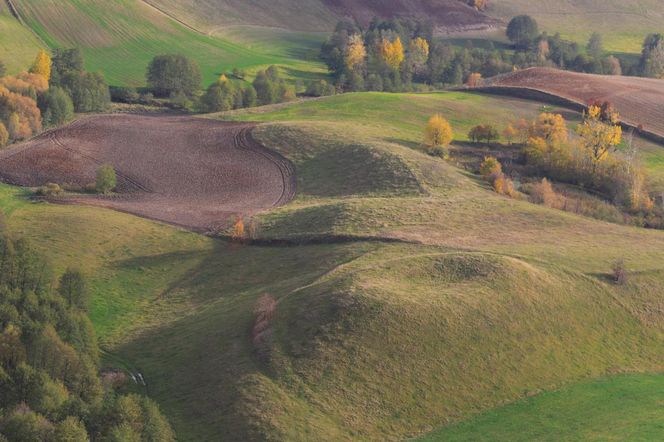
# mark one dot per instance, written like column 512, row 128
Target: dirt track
column 186, row 171
column 640, row 101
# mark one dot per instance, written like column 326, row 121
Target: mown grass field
column 120, row 38
column 481, row 300
column 624, row 407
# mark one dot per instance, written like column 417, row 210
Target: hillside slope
column 640, row 101
column 622, row 23
column 321, row 15
column 430, row 298
column 119, row 38
column 18, row 46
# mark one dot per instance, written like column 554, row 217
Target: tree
column 483, row 132
column 391, row 52
column 42, row 65
column 56, row 107
column 89, row 91
column 249, row 96
column 438, row 133
column 522, row 31
column 490, row 168
column 70, row 430
column 550, row 127
column 65, row 61
column 595, row 46
column 73, row 289
column 106, row 179
column 4, row 135
column 598, row 137
column 474, row 79
column 510, row 133
column 356, row 53
column 652, row 56
column 173, row 73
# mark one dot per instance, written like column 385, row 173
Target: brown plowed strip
column 640, row 101
column 186, row 171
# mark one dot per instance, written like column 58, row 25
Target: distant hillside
column 622, row 23
column 321, row 15
column 119, row 38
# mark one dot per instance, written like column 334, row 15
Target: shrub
column 320, row 88
column 619, row 273
column 106, row 179
column 124, row 94
column 49, row 189
column 490, row 168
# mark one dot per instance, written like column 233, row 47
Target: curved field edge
column 623, row 407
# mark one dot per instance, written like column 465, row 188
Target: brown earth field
column 640, row 101
column 195, row 173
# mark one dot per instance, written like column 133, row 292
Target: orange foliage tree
column 19, row 114
column 474, row 79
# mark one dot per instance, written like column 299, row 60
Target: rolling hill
column 409, row 295
column 640, row 101
column 322, row 15
column 120, row 37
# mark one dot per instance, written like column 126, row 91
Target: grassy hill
column 429, row 300
column 119, row 38
column 622, row 23
column 18, row 46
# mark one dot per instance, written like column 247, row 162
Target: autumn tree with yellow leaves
column 392, row 52
column 438, row 135
column 597, row 135
column 42, row 65
column 356, row 53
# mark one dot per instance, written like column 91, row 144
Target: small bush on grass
column 106, row 179
column 49, row 189
column 620, row 274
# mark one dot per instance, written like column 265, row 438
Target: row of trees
column 393, row 55
column 48, row 94
column 178, row 77
column 49, row 361
column 541, row 48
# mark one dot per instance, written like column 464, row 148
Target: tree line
column 399, row 54
column 50, row 380
column 48, row 94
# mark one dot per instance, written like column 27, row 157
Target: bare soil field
column 186, row 171
column 640, row 101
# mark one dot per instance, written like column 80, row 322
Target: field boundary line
column 174, row 18
column 13, row 10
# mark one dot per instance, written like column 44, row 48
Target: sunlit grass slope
column 119, row 38
column 18, row 46
column 419, row 298
column 626, row 407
